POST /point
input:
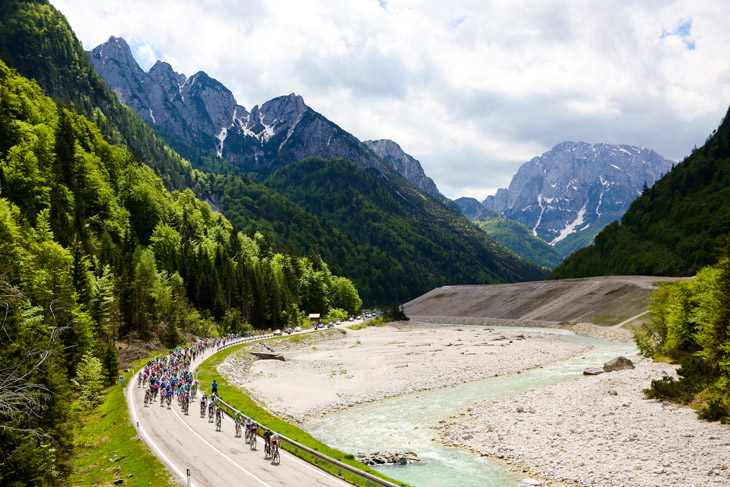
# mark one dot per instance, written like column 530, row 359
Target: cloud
column 471, row 88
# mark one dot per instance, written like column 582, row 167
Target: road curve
column 214, row 458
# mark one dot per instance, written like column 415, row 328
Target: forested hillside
column 518, row 238
column 674, row 228
column 93, row 247
column 418, row 242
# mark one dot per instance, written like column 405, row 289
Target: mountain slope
column 268, row 139
column 674, row 228
column 431, row 243
column 519, row 239
column 407, row 166
column 577, row 186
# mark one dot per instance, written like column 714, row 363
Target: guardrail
column 238, row 341
column 231, row 411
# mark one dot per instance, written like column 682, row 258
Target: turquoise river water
column 407, row 422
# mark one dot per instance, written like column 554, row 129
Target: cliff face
column 407, row 166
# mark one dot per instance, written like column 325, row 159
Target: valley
column 495, row 397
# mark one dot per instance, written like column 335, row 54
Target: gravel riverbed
column 343, row 369
column 600, row 431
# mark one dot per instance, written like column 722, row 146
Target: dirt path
column 214, row 458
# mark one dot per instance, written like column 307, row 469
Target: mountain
column 414, row 252
column 200, row 110
column 472, row 208
column 674, row 228
column 575, row 189
column 406, row 165
column 515, row 236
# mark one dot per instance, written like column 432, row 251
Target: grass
column 365, row 324
column 240, row 400
column 107, row 447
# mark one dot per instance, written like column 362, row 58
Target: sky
column 471, row 88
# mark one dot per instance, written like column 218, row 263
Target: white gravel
column 600, row 431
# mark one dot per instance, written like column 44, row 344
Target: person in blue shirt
column 215, row 387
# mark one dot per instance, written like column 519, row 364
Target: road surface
column 213, row 458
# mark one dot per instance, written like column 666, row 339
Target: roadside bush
column 669, row 388
column 715, row 411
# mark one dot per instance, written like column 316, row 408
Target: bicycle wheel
column 277, row 457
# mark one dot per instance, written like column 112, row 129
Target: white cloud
column 471, row 88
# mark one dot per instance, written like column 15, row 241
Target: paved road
column 214, row 458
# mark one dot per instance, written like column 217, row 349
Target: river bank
column 599, row 431
column 611, row 333
column 371, row 364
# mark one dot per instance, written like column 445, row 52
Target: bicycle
column 267, row 448
column 238, row 429
column 253, row 442
column 218, row 423
column 146, row 397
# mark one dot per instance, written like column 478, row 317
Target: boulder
column 619, row 363
column 592, row 371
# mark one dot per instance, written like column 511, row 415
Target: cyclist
column 247, row 425
column 275, row 445
column 203, row 405
column 218, row 418
column 238, row 417
column 267, row 442
column 211, row 409
column 254, row 431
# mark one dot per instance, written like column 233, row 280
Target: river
column 408, row 422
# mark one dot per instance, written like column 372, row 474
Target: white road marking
column 304, row 464
column 217, row 450
column 149, row 441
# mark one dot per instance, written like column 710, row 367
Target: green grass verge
column 365, row 324
column 241, row 401
column 107, row 447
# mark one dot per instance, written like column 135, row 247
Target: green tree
column 89, row 381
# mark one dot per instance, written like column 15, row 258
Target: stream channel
column 408, row 422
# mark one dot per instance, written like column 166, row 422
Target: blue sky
column 471, row 88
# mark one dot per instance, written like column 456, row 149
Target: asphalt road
column 214, row 458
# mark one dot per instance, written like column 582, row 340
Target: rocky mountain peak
column 577, row 185
column 284, row 111
column 406, row 165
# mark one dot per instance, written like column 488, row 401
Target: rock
column 619, row 363
column 530, row 482
column 592, row 371
column 119, row 482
